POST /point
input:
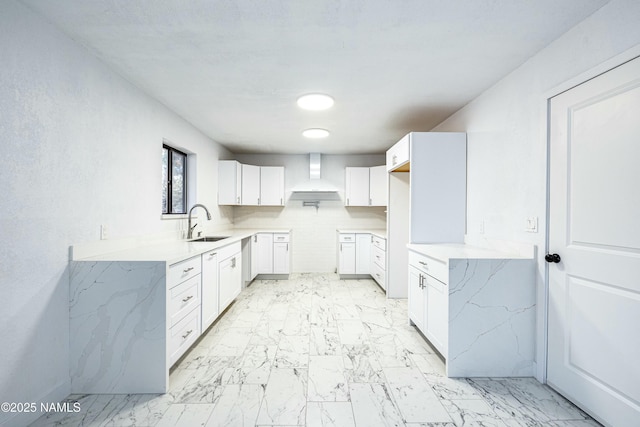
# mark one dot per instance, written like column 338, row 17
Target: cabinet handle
column 347, row 201
column 423, row 263
column 340, row 247
column 186, row 270
column 187, row 334
column 281, row 202
column 287, row 247
column 212, row 254
column 187, row 298
column 238, row 199
column 394, row 159
column 369, row 201
column 233, row 262
column 255, row 237
column 258, row 200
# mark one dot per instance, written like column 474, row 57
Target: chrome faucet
column 190, row 232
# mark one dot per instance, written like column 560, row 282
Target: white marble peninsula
column 476, row 306
column 134, row 311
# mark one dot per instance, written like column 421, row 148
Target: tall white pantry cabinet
column 427, row 198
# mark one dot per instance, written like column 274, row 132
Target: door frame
column 542, row 352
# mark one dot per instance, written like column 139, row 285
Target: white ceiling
column 234, row 68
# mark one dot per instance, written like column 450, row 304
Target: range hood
column 315, row 184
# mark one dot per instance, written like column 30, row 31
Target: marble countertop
column 178, row 250
column 382, row 233
column 446, row 251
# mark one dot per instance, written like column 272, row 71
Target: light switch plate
column 531, row 224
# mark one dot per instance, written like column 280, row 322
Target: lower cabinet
column 354, row 253
column 270, row 253
column 210, row 308
column 417, row 297
column 229, row 274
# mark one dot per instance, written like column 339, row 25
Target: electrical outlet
column 531, row 224
column 103, row 232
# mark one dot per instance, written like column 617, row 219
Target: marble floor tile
column 330, row 414
column 238, row 405
column 285, row 398
column 374, row 406
column 327, row 381
column 315, row 350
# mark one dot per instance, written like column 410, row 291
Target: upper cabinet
column 271, row 186
column 250, row 185
column 229, row 182
column 366, row 186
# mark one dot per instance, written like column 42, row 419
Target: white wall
column 506, row 128
column 80, row 147
column 313, row 233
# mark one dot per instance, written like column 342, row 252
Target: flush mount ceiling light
column 315, row 101
column 315, row 133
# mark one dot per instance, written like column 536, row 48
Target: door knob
column 552, row 258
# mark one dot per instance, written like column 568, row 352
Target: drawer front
column 379, row 242
column 280, row 237
column 347, row 238
column 430, row 266
column 378, row 275
column 183, row 335
column 378, row 256
column 183, row 298
column 182, row 271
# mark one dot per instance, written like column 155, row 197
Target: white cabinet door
column 265, row 253
column 398, row 155
column 271, row 186
column 254, row 256
column 416, row 303
column 378, row 185
column 250, row 185
column 230, row 280
column 436, row 320
column 281, row 258
column 347, row 258
column 363, row 253
column 356, row 186
column 229, row 182
column 209, row 289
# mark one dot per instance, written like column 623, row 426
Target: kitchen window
column 174, row 181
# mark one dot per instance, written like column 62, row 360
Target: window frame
column 170, row 153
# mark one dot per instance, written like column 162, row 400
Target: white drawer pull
column 187, row 334
column 187, row 298
column 423, row 263
column 186, row 270
column 212, row 254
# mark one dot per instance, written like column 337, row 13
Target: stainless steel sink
column 209, row 239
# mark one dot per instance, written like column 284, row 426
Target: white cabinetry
column 427, row 198
column 356, row 186
column 183, row 300
column 250, row 185
column 270, row 253
column 354, row 253
column 476, row 307
column 229, row 182
column 271, row 186
column 378, row 264
column 229, row 274
column 366, row 186
column 210, row 308
column 378, row 186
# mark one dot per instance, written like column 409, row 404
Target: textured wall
column 81, row 147
column 314, row 232
column 506, row 132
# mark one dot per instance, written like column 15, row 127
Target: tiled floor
column 318, row 351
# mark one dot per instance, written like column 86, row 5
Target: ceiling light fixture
column 315, row 101
column 315, row 133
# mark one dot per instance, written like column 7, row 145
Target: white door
column 594, row 281
column 265, row 253
column 347, row 258
column 255, row 253
column 281, row 258
column 416, row 303
column 271, row 185
column 209, row 289
column 378, row 185
column 363, row 253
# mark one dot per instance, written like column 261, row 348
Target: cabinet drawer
column 378, row 257
column 182, row 271
column 183, row 298
column 379, row 242
column 378, row 275
column 183, row 335
column 430, row 266
column 398, row 155
column 280, row 237
column 346, row 237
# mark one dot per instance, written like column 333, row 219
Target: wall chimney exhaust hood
column 315, row 185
